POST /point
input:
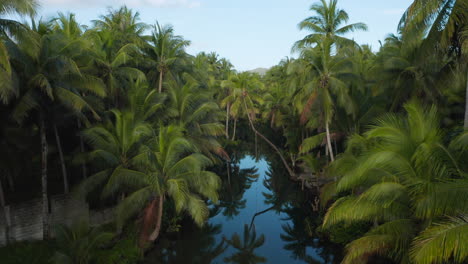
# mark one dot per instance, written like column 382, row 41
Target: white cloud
column 113, row 3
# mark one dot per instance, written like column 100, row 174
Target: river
column 261, row 217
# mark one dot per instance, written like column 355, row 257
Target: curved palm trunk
column 330, row 150
column 286, row 165
column 45, row 200
column 234, row 132
column 160, row 81
column 466, row 104
column 227, row 120
column 62, row 161
column 154, row 235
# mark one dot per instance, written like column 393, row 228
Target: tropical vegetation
column 120, row 115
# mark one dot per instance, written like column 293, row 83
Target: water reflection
column 262, row 217
column 231, row 199
column 193, row 245
column 246, row 247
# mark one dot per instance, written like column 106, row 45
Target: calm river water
column 262, row 217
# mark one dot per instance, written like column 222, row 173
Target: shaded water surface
column 261, row 217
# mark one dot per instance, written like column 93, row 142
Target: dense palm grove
column 119, row 114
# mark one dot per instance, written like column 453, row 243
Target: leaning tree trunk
column 82, row 150
column 466, row 104
column 235, row 127
column 160, row 81
column 62, row 161
column 45, row 200
column 330, row 150
column 227, row 120
column 6, row 214
column 286, row 165
column 159, row 214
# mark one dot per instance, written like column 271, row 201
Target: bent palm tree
column 168, row 170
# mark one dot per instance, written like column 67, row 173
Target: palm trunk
column 466, row 104
column 272, row 122
column 82, row 150
column 227, row 120
column 234, row 132
column 62, row 161
column 286, row 165
column 160, row 81
column 6, row 213
column 330, row 150
column 11, row 183
column 45, row 200
column 159, row 214
column 228, row 168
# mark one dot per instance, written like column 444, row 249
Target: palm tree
column 79, row 243
column 326, row 87
column 193, row 109
column 172, row 170
column 48, row 78
column 402, row 63
column 445, row 23
column 326, row 24
column 165, row 51
column 115, row 67
column 401, row 174
column 240, row 86
column 246, row 247
column 10, row 27
column 115, row 145
column 125, row 27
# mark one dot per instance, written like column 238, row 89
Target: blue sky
column 251, row 34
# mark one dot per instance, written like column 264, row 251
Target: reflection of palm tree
column 197, row 245
column 246, row 248
column 233, row 191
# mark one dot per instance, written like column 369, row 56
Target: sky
column 249, row 33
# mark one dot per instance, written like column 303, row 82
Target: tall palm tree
column 401, row 174
column 48, row 78
column 325, row 88
column 240, row 86
column 327, row 24
column 165, row 51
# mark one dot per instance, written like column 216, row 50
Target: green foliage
column 125, row 250
column 406, row 175
column 344, row 233
column 79, row 243
column 143, row 119
column 39, row 252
